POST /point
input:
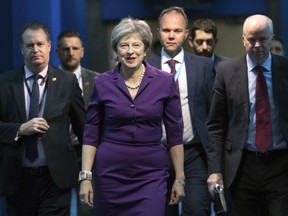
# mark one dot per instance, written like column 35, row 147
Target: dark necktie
column 31, row 146
column 263, row 138
column 172, row 64
column 73, row 136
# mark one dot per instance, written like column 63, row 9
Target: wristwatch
column 85, row 175
column 180, row 182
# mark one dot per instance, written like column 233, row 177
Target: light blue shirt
column 277, row 136
column 41, row 160
column 180, row 61
column 180, row 76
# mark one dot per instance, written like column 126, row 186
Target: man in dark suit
column 203, row 39
column 277, row 46
column 70, row 51
column 38, row 182
column 194, row 75
column 252, row 159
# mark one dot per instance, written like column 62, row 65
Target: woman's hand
column 86, row 193
column 177, row 194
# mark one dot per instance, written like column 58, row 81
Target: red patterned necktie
column 263, row 138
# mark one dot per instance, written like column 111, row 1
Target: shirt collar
column 28, row 73
column 251, row 64
column 213, row 57
column 179, row 57
column 77, row 72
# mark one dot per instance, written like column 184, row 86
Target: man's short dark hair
column 68, row 34
column 206, row 25
column 34, row 25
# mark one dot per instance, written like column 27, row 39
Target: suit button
column 132, row 106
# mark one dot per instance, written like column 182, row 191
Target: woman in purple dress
column 122, row 138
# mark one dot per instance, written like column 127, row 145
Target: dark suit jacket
column 217, row 60
column 87, row 83
column 200, row 77
column 63, row 103
column 229, row 114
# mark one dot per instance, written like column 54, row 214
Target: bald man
column 255, row 177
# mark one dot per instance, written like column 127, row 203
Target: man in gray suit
column 248, row 126
column 194, row 75
column 70, row 51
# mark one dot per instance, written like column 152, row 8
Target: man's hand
column 214, row 178
column 35, row 125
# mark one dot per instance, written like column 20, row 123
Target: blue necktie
column 31, row 145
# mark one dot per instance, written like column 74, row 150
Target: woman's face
column 131, row 51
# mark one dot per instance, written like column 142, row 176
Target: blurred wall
column 94, row 20
column 229, row 34
column 56, row 15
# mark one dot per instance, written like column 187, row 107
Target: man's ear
column 190, row 40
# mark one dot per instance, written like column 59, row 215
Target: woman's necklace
column 139, row 82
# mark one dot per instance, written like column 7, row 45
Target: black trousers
column 197, row 200
column 38, row 196
column 261, row 186
column 82, row 210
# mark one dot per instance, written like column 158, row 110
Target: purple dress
column 131, row 166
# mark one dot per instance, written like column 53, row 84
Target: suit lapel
column 149, row 73
column 87, row 86
column 119, row 82
column 52, row 83
column 240, row 79
column 85, row 83
column 18, row 91
column 276, row 80
column 190, row 65
column 155, row 61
